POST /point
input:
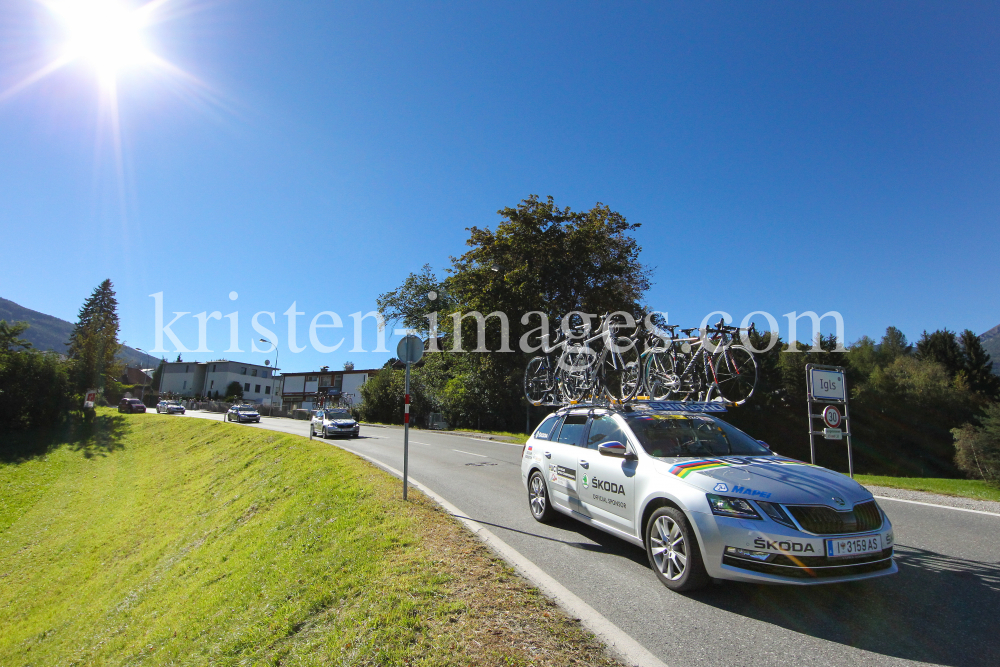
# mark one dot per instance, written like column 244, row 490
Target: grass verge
column 963, row 488
column 184, row 541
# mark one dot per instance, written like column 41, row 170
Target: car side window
column 545, row 428
column 572, row 429
column 604, row 429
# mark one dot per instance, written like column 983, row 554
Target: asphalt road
column 940, row 608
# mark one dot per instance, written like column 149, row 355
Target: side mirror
column 766, row 446
column 613, row 448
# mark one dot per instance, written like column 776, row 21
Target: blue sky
column 779, row 156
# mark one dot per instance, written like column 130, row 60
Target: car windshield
column 338, row 414
column 670, row 435
column 247, row 410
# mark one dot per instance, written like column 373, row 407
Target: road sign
column 831, row 415
column 410, row 349
column 90, row 398
column 827, row 385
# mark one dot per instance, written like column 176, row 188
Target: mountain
column 50, row 333
column 991, row 341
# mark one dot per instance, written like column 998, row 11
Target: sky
column 779, row 157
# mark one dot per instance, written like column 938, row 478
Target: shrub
column 35, row 390
column 977, row 448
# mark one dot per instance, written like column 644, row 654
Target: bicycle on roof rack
column 705, row 367
column 612, row 372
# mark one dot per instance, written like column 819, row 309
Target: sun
column 107, row 34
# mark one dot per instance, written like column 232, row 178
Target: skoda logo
column 839, row 501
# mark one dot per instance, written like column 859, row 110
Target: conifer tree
column 93, row 344
column 978, row 367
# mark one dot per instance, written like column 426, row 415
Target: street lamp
column 270, row 406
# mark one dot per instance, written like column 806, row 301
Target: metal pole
column 809, row 408
column 848, row 429
column 406, row 429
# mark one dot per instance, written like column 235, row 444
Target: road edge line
column 619, row 643
column 944, row 507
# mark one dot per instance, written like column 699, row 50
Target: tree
column 93, row 344
column 977, row 448
column 35, row 390
column 941, row 347
column 158, row 375
column 977, row 366
column 10, row 337
column 234, row 390
column 348, row 365
column 893, row 344
column 539, row 258
column 178, row 359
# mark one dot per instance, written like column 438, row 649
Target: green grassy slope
column 196, row 542
column 965, row 488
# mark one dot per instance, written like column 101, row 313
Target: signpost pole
column 409, row 351
column 809, row 408
column 406, row 429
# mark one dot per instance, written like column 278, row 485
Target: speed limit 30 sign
column 831, row 416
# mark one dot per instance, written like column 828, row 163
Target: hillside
column 991, row 341
column 179, row 541
column 51, row 333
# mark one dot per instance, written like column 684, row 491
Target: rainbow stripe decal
column 682, row 470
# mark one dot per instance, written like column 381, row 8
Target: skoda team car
column 331, row 422
column 243, row 413
column 704, row 498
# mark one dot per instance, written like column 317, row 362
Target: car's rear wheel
column 673, row 551
column 538, row 498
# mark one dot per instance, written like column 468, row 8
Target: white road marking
column 944, row 507
column 470, row 453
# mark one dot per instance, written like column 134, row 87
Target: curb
column 619, row 644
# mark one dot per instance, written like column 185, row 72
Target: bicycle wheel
column 576, row 379
column 736, row 374
column 622, row 374
column 660, row 379
column 537, row 380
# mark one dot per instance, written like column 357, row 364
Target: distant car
column 332, row 422
column 131, row 405
column 170, row 407
column 243, row 413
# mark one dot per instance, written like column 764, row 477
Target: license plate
column 843, row 547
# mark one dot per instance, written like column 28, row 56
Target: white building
column 312, row 389
column 189, row 378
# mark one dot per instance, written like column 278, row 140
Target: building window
column 187, row 368
column 267, row 390
column 256, row 389
column 212, row 384
column 243, row 370
column 310, row 378
column 265, row 373
column 213, row 368
column 246, row 386
column 253, row 372
column 185, row 385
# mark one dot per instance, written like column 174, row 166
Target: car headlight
column 728, row 506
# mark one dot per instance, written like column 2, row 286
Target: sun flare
column 108, row 34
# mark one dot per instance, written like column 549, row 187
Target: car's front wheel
column 673, row 551
column 538, row 498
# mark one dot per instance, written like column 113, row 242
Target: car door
column 607, row 483
column 562, row 465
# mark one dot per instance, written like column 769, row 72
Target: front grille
column 828, row 521
column 883, row 563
